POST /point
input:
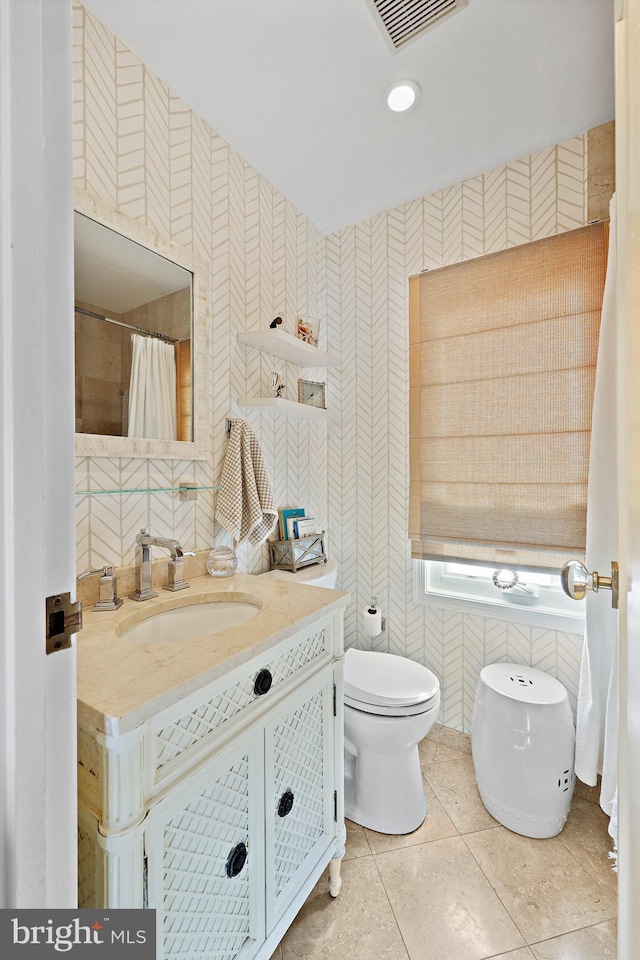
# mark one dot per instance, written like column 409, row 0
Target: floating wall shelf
column 288, row 408
column 287, row 347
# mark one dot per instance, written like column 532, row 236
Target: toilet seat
column 387, row 685
column 379, row 710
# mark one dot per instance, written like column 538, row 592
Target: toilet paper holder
column 372, row 620
column 383, row 620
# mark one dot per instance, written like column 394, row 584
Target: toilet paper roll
column 372, row 622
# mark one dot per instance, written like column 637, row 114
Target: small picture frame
column 308, row 331
column 312, row 393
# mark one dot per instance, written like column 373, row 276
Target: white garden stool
column 523, row 745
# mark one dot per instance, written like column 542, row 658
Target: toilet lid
column 387, row 680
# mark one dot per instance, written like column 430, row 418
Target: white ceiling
column 296, row 87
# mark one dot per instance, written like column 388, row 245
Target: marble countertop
column 123, row 682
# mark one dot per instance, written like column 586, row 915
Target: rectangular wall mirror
column 140, row 341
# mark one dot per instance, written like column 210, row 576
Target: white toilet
column 390, row 704
column 315, row 575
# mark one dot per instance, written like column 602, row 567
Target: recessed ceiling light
column 402, row 95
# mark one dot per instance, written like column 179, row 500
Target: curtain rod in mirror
column 129, row 326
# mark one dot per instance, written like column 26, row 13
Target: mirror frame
column 96, row 445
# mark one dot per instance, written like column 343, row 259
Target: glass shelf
column 179, row 489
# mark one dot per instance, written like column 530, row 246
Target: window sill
column 497, row 611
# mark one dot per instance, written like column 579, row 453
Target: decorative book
column 290, row 525
column 302, row 528
column 285, row 515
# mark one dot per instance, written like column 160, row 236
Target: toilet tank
column 315, row 575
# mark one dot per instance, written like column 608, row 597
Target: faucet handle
column 107, row 571
column 108, row 597
column 175, row 572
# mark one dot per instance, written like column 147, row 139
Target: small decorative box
column 295, row 554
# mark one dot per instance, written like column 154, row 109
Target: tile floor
column 462, row 887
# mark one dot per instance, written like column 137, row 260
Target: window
column 507, row 593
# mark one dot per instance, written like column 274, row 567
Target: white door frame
column 628, row 299
column 37, row 692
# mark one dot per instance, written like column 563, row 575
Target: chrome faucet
column 176, row 581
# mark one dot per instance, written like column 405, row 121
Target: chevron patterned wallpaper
column 138, row 148
column 364, row 274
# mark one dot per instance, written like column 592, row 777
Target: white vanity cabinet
column 222, row 810
column 301, row 791
column 204, row 856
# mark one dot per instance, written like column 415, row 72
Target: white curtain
column 597, row 720
column 152, row 390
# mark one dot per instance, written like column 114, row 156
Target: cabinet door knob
column 262, row 683
column 236, row 860
column 285, row 805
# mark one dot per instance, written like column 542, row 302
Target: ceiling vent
column 404, row 20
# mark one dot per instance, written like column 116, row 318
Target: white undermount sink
column 194, row 619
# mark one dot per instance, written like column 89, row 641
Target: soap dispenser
column 108, row 598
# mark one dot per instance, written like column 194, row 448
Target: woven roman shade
column 502, row 371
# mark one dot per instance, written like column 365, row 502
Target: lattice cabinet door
column 299, row 790
column 204, row 850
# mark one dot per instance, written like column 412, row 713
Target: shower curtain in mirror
column 597, row 714
column 152, row 390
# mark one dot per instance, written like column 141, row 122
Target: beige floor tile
column 428, row 790
column 592, row 943
column 387, row 945
column 454, row 784
column 432, row 751
column 454, row 739
column 586, row 792
column 586, row 836
column 277, row 953
column 436, row 826
column 543, row 887
column 443, row 743
column 444, row 905
column 358, row 919
column 356, row 845
column 524, row 953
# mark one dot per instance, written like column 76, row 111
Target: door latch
column 63, row 620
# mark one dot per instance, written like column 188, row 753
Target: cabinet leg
column 334, row 876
